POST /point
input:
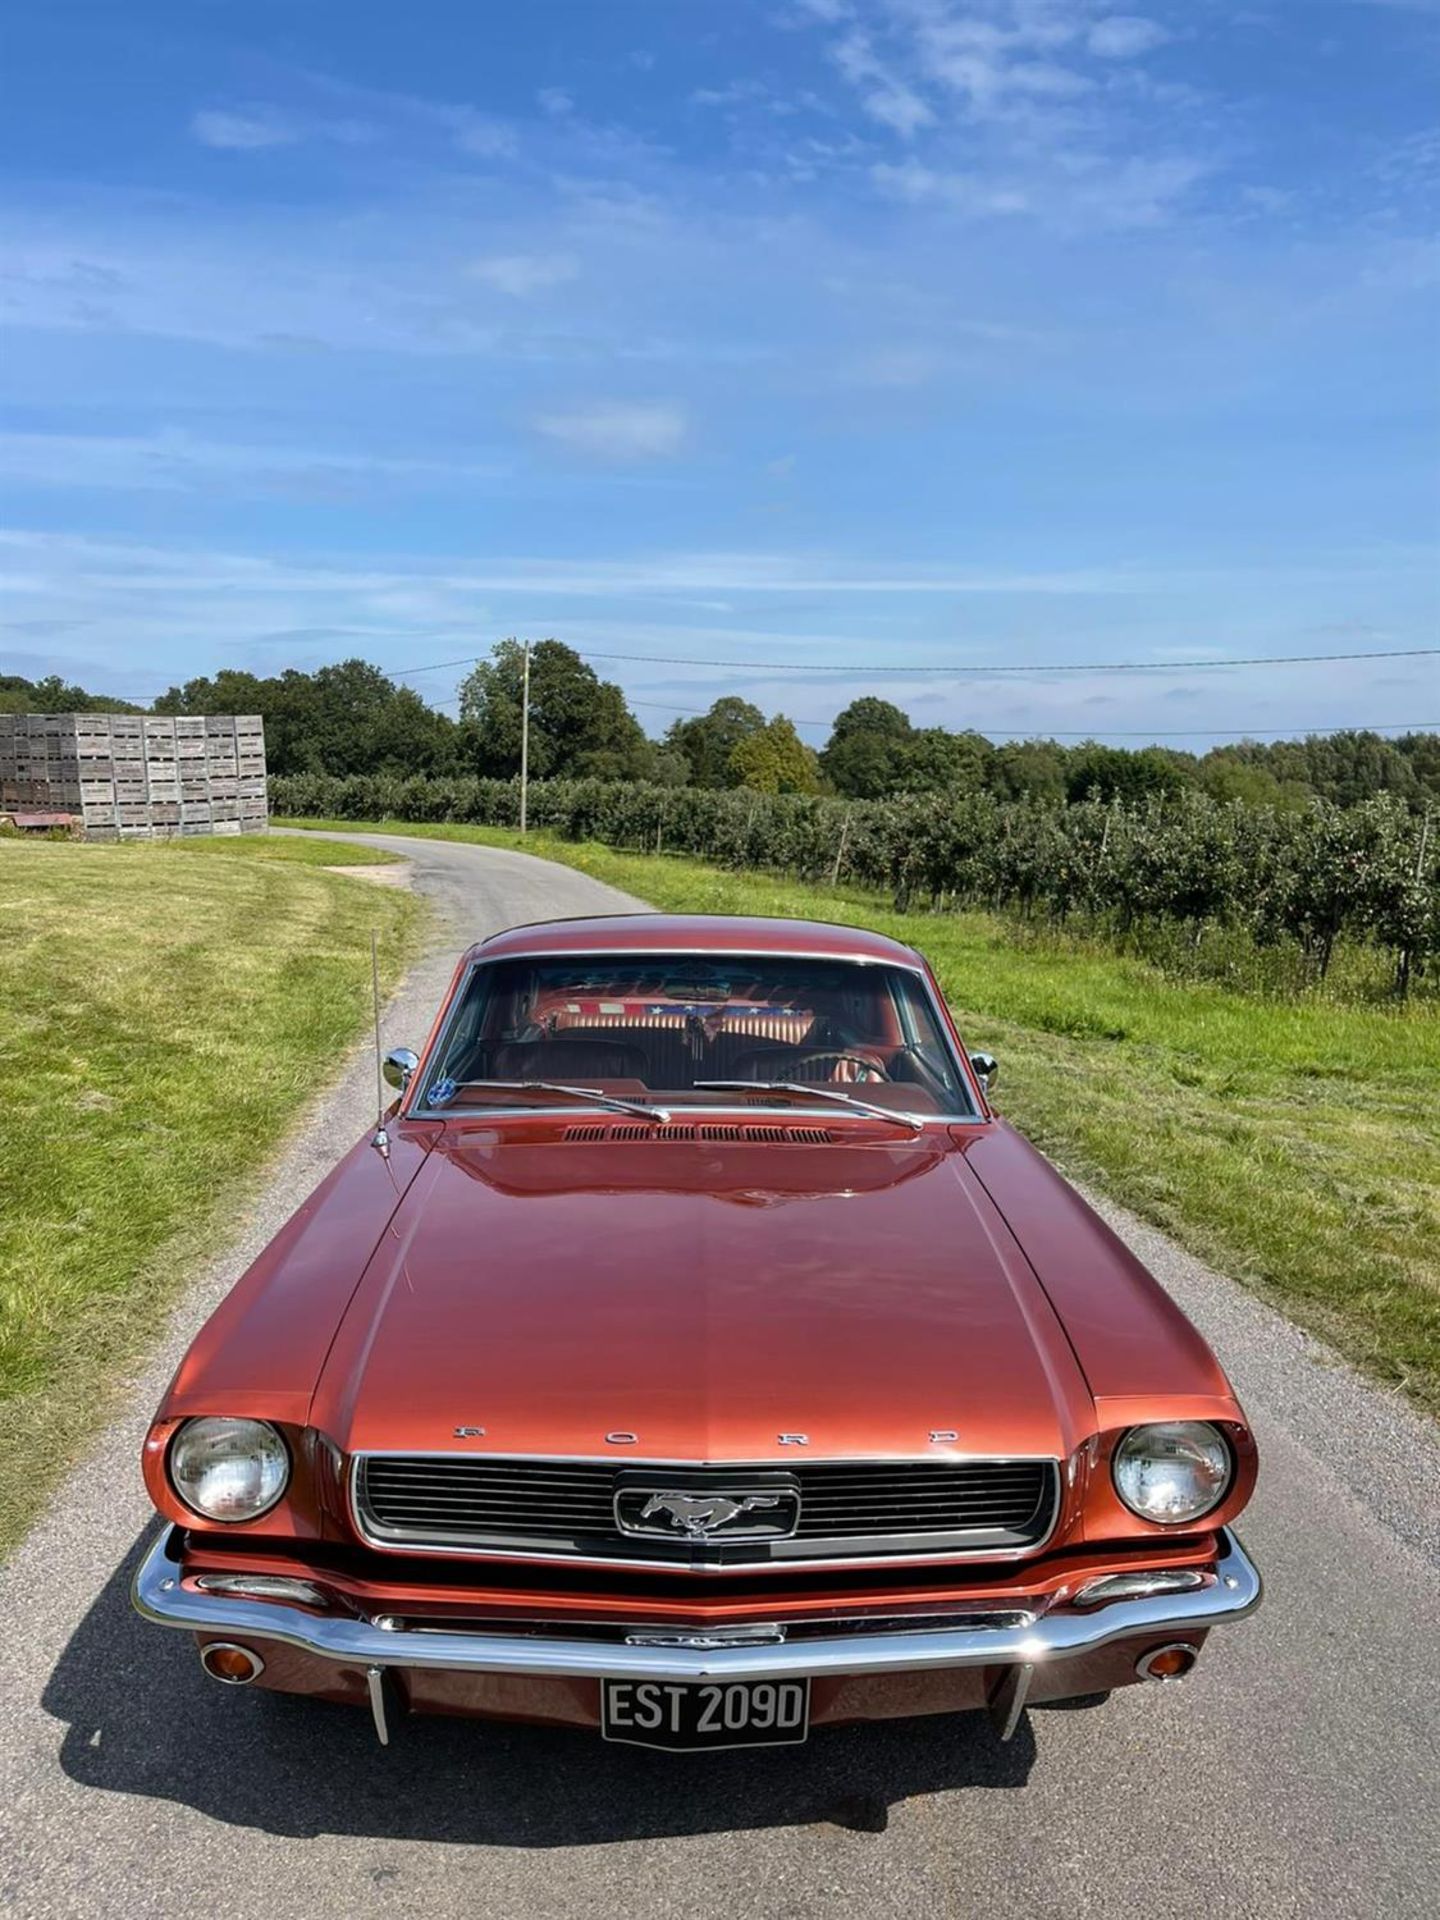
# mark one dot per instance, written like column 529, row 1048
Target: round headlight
column 1172, row 1472
column 229, row 1469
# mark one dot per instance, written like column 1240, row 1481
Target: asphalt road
column 1294, row 1774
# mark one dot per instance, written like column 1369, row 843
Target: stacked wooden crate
column 192, row 762
column 250, row 761
column 38, row 765
column 133, row 776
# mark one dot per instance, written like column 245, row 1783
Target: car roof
column 693, row 933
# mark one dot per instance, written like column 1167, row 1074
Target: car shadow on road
column 141, row 1718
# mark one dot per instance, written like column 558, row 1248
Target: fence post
column 840, row 851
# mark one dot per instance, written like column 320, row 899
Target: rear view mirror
column 987, row 1069
column 398, row 1066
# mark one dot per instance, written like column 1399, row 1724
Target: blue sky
column 816, row 333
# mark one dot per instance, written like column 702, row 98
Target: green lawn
column 288, row 852
column 1293, row 1143
column 166, row 1010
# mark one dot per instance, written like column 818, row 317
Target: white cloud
column 118, row 566
column 967, row 193
column 1060, row 141
column 485, row 138
column 1088, row 192
column 1269, row 200
column 898, row 366
column 171, row 461
column 127, row 616
column 999, row 56
column 908, row 181
column 617, row 430
column 555, row 101
column 1409, row 265
column 986, row 82
column 1125, row 36
column 735, row 93
column 1136, row 193
column 255, row 128
column 242, row 132
column 521, row 274
column 989, row 62
column 1412, row 162
column 899, row 108
column 1045, row 80
column 830, row 11
column 884, row 97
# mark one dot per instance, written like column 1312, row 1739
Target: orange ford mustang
column 692, row 1354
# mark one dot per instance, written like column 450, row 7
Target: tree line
column 1178, row 865
column 1298, row 845
column 54, row 695
column 353, row 719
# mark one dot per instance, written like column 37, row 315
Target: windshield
column 654, row 1029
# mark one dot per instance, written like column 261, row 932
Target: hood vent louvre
column 752, row 1136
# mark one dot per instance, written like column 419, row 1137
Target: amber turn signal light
column 236, row 1666
column 1170, row 1662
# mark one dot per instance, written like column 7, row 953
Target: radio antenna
column 382, row 1139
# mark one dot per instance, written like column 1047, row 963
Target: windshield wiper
column 659, row 1114
column 911, row 1120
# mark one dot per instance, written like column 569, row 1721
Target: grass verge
column 165, row 1009
column 1295, row 1144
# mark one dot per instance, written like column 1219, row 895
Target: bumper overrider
column 996, row 1660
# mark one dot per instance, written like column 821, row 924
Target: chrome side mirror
column 987, row 1069
column 398, row 1066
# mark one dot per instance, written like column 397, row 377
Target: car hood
column 706, row 1300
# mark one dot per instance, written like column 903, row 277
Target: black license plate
column 690, row 1716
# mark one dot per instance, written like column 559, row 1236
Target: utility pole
column 525, row 741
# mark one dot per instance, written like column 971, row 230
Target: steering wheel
column 868, row 1069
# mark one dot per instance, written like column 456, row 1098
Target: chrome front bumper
column 160, row 1595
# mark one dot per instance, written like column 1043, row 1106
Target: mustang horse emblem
column 698, row 1515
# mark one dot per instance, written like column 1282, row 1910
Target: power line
column 1140, row 733
column 879, row 672
column 1091, row 666
column 1244, row 733
column 1295, row 731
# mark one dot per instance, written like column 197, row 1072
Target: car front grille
column 861, row 1509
